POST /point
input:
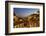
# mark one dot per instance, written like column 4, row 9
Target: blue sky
column 24, row 12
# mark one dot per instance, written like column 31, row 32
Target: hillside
column 29, row 21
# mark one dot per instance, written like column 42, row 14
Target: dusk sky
column 24, row 12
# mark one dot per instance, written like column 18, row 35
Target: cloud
column 24, row 12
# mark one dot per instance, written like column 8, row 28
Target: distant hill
column 26, row 14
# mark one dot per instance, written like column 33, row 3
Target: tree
column 38, row 11
column 14, row 14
